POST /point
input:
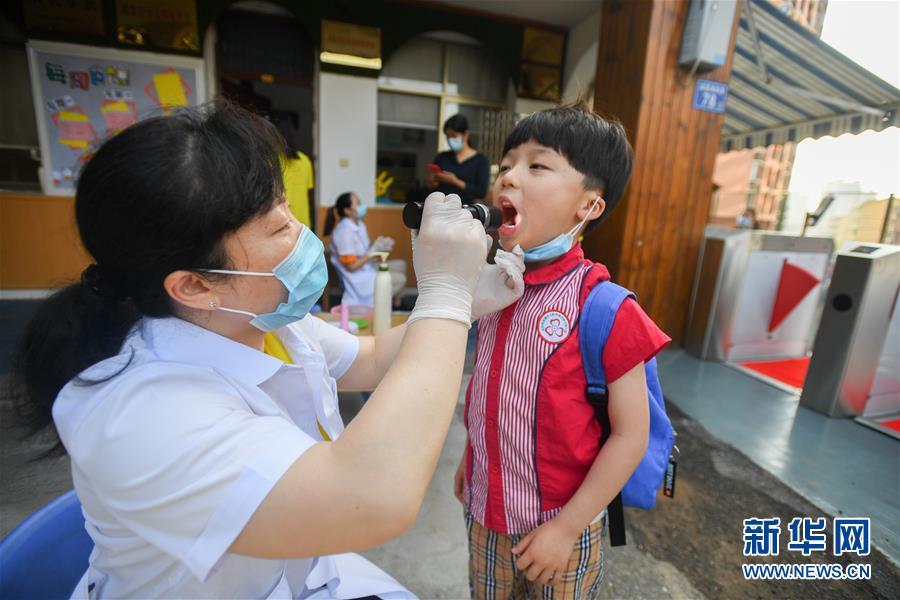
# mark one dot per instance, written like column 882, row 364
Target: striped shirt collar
column 559, row 267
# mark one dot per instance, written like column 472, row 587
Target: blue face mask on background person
column 303, row 272
column 558, row 245
column 455, row 143
column 361, row 211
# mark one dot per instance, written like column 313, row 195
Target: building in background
column 856, row 215
column 365, row 87
column 809, row 13
column 872, row 221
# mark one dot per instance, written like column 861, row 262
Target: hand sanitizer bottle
column 381, row 314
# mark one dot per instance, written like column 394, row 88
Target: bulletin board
column 85, row 94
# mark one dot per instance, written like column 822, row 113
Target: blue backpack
column 658, row 464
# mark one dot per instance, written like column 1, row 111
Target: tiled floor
column 839, row 465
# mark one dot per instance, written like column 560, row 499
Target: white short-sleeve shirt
column 349, row 238
column 179, row 444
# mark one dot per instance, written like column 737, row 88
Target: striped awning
column 802, row 87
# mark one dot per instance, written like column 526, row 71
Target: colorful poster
column 84, row 94
column 118, row 114
column 168, row 89
column 74, row 127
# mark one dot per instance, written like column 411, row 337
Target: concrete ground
column 688, row 547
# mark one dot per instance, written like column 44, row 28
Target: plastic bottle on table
column 345, row 316
column 381, row 313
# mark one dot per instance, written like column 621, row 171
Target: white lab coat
column 174, row 452
column 349, row 238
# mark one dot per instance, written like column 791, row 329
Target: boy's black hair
column 597, row 148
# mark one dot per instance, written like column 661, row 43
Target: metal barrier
column 853, row 330
column 738, row 285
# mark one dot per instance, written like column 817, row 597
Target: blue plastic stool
column 46, row 555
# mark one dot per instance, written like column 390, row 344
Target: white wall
column 347, row 137
column 581, row 57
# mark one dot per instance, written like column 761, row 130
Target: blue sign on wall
column 710, row 95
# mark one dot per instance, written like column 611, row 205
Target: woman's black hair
column 158, row 197
column 337, row 212
column 457, row 122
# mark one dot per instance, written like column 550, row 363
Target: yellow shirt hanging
column 298, row 180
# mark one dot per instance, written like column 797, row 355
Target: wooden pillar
column 651, row 240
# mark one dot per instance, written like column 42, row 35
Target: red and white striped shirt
column 532, row 434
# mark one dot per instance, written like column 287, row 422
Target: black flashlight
column 490, row 216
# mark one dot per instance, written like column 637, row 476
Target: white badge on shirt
column 553, row 326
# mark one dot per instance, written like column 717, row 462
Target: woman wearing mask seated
column 352, row 254
column 196, row 395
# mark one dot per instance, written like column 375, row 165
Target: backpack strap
column 595, row 324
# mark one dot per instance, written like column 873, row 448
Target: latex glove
column 382, row 244
column 500, row 284
column 448, row 256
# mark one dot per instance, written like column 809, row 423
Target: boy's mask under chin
column 561, row 243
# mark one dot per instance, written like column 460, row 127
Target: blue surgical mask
column 303, row 272
column 558, row 245
column 361, row 211
column 455, row 143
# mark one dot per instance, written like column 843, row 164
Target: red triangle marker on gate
column 796, row 282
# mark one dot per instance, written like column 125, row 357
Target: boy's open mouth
column 511, row 217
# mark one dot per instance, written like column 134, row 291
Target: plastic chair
column 46, row 555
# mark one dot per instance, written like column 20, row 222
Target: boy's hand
column 459, row 480
column 545, row 552
column 499, row 284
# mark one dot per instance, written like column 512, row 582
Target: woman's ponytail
column 330, row 222
column 73, row 329
column 343, row 202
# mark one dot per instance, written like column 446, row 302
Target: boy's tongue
column 511, row 221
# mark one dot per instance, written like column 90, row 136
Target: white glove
column 448, row 256
column 500, row 284
column 382, row 244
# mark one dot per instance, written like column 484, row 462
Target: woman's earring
column 213, row 304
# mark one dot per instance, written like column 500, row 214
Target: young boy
column 533, row 478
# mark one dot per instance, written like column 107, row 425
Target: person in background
column 747, row 220
column 297, row 173
column 464, row 170
column 352, row 254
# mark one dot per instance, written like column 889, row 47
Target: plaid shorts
column 493, row 574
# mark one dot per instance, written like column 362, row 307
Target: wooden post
column 652, row 239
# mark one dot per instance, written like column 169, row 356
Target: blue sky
column 867, row 31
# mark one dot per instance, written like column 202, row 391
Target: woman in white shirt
column 352, row 252
column 197, row 397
